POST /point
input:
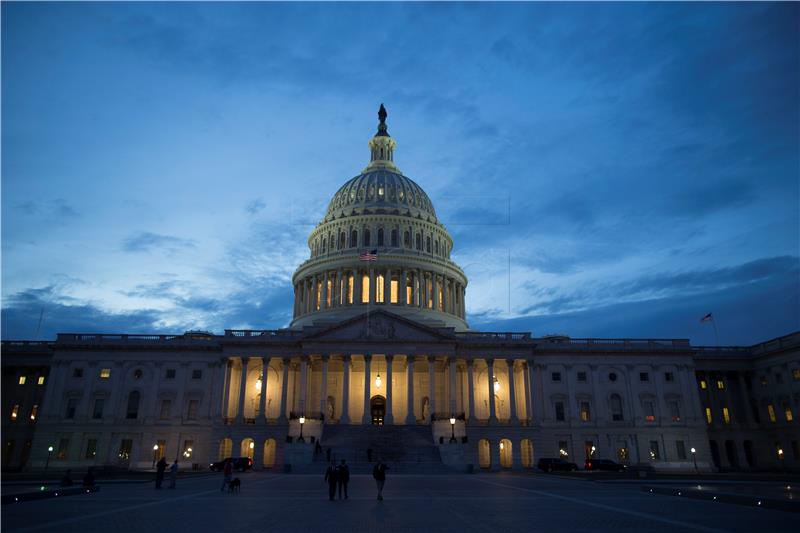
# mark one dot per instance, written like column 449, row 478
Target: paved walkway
column 465, row 503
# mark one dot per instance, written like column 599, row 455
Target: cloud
column 145, row 241
column 57, row 208
column 254, row 206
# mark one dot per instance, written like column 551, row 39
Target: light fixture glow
column 49, row 448
column 502, row 445
column 378, row 381
column 452, row 421
column 302, row 420
column 496, row 385
column 252, row 445
column 693, row 450
column 259, row 384
column 155, row 447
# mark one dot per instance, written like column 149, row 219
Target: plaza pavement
column 501, row 502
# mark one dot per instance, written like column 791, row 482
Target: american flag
column 371, row 255
column 707, row 318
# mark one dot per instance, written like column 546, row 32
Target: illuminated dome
column 407, row 271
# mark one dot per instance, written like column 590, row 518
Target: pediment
column 379, row 325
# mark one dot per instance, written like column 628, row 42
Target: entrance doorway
column 377, row 408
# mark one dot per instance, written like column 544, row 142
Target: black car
column 239, row 463
column 603, row 464
column 552, row 464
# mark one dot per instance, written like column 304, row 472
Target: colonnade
column 379, row 285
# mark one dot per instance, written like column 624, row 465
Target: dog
column 235, row 485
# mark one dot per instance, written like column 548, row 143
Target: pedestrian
column 227, row 473
column 331, row 477
column 343, row 476
column 379, row 473
column 173, row 474
column 88, row 479
column 328, row 454
column 161, row 466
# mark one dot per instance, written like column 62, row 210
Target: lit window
column 34, row 412
column 105, row 373
column 585, row 414
column 22, row 380
column 703, row 384
column 379, row 289
column 726, row 416
column 40, row 381
column 364, row 289
column 720, row 384
column 796, row 374
column 709, row 419
column 14, row 412
column 393, row 288
column 771, row 413
column 787, row 411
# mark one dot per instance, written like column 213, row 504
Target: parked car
column 603, row 464
column 551, row 464
column 239, row 463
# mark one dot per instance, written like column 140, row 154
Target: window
column 556, row 376
column 72, row 403
column 394, row 238
column 132, row 411
column 165, row 407
column 649, row 411
column 91, row 448
column 63, row 449
column 77, row 373
column 353, row 239
column 34, row 412
column 582, row 377
column 379, row 288
column 616, row 408
column 14, row 412
column 188, row 448
column 589, row 449
column 720, row 384
column 162, row 449
column 105, row 373
column 97, row 411
column 197, row 374
column 585, row 414
column 560, row 411
column 40, row 381
column 674, row 410
column 612, row 376
column 563, row 449
column 771, row 413
column 669, row 377
column 680, row 448
column 644, row 376
column 419, row 241
column 796, row 374
column 726, row 416
column 380, row 237
column 407, row 239
column 170, row 373
column 787, row 411
column 125, row 447
column 709, row 419
column 366, row 237
column 428, row 244
column 703, row 384
column 137, row 374
column 654, row 455
column 778, row 377
column 622, row 454
column 191, row 414
column 22, row 380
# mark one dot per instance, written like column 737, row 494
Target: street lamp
column 49, row 452
column 155, row 451
column 452, row 429
column 694, row 458
column 378, row 381
column 302, row 421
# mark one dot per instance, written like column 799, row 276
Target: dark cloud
column 145, row 241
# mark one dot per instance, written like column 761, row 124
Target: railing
column 28, row 343
column 490, row 335
column 107, row 337
column 262, row 333
column 626, row 344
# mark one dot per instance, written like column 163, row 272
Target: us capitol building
column 379, row 360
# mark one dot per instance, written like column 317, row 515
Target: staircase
column 405, row 449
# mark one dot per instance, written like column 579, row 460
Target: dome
column 380, row 191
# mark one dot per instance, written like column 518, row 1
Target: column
column 294, row 308
column 512, row 396
column 303, row 383
column 431, row 387
column 452, row 386
column 325, row 292
column 226, row 392
column 217, row 385
column 471, row 389
column 365, row 418
column 463, row 303
column 284, row 388
column 403, row 282
column 387, row 286
column 410, row 418
column 492, row 411
column 345, row 418
column 356, row 287
column 420, row 289
column 242, row 390
column 323, row 393
column 389, row 417
column 262, row 404
column 337, row 291
column 538, row 390
column 372, row 288
column 526, row 374
column 435, row 290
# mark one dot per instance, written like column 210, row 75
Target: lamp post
column 155, row 450
column 302, row 421
column 49, row 452
column 452, row 429
column 694, row 458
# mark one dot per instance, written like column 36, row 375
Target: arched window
column 353, row 239
column 428, row 244
column 366, row 237
column 225, row 449
column 615, row 403
column 394, row 238
column 270, row 447
column 132, row 412
column 342, row 238
column 484, row 455
column 407, row 239
column 380, row 237
column 505, row 453
column 324, row 246
column 248, row 448
column 419, row 241
column 526, row 447
column 435, row 248
column 333, row 242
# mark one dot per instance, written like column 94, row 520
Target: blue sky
column 635, row 164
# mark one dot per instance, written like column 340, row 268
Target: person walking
column 161, row 466
column 173, row 474
column 227, row 473
column 343, row 476
column 331, row 477
column 379, row 473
